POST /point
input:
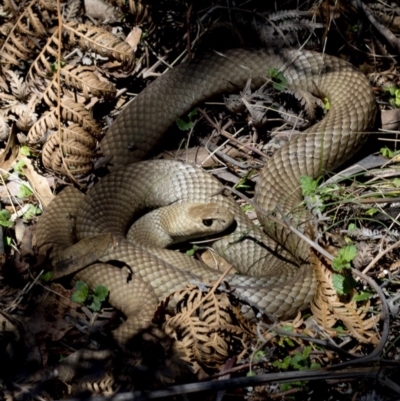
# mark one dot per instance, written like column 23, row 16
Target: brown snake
column 288, row 282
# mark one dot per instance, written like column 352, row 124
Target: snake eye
column 208, row 222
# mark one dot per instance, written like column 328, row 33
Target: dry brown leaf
column 40, row 184
column 10, row 153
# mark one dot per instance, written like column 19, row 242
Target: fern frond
column 100, row 41
column 86, row 81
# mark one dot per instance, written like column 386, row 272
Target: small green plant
column 19, row 167
column 25, row 151
column 327, row 104
column 389, row 153
column 316, row 197
column 46, row 276
column 31, row 212
column 193, row 250
column 394, row 92
column 299, row 361
column 247, row 208
column 92, row 300
column 186, row 126
column 343, row 283
column 24, row 192
column 278, row 80
column 5, row 217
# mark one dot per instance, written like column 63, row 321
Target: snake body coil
column 287, row 282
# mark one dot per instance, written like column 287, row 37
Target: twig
column 375, row 373
column 223, row 155
column 212, row 290
column 390, row 37
column 313, row 244
column 227, row 135
column 380, row 255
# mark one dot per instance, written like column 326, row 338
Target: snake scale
column 275, row 273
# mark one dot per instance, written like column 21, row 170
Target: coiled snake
column 287, row 282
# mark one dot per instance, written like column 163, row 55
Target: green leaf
column 327, row 103
column 363, row 296
column 278, row 79
column 101, row 292
column 19, row 166
column 250, row 373
column 24, row 192
column 260, row 354
column 186, row 126
column 32, row 212
column 308, row 185
column 386, row 152
column 306, row 351
column 371, row 211
column 288, row 386
column 95, row 305
column 315, row 365
column 46, row 276
column 338, row 283
column 390, row 89
column 352, row 227
column 396, row 182
column 345, row 256
column 192, row 251
column 342, row 284
column 5, row 216
column 397, row 97
column 247, row 208
column 25, row 151
column 54, row 66
column 282, row 364
column 81, row 292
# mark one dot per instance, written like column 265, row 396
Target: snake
column 275, row 272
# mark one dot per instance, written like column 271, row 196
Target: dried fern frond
column 49, row 5
column 15, row 49
column 86, row 81
column 68, row 156
column 138, row 8
column 71, row 10
column 18, row 86
column 6, row 28
column 43, row 64
column 208, row 334
column 22, row 40
column 328, row 308
column 4, row 128
column 70, row 111
column 100, row 41
column 299, row 103
column 30, row 24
